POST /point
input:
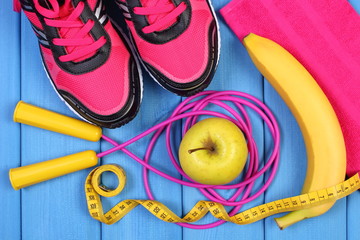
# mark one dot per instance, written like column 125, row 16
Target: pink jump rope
column 189, row 110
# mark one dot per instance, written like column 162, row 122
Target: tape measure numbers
column 94, row 189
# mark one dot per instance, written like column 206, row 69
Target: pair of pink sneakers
column 93, row 66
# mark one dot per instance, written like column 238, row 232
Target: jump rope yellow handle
column 38, row 117
column 31, row 174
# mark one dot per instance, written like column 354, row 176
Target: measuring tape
column 93, row 190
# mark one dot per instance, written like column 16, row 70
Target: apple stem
column 203, row 148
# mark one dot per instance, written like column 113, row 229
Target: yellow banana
column 319, row 125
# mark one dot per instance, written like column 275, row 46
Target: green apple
column 213, row 151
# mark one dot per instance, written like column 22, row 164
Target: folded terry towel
column 324, row 35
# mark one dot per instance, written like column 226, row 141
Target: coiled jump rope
column 189, row 111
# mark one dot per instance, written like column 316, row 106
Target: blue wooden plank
column 353, row 211
column 55, row 209
column 353, row 206
column 235, row 72
column 157, row 105
column 10, row 223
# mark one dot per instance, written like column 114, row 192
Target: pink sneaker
column 87, row 60
column 177, row 41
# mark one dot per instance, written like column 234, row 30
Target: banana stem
column 289, row 219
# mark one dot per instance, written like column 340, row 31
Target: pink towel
column 324, row 35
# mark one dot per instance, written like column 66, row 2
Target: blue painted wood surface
column 56, row 209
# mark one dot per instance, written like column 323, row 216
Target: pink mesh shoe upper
column 103, row 90
column 183, row 59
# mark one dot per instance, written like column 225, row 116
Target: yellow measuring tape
column 94, row 189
